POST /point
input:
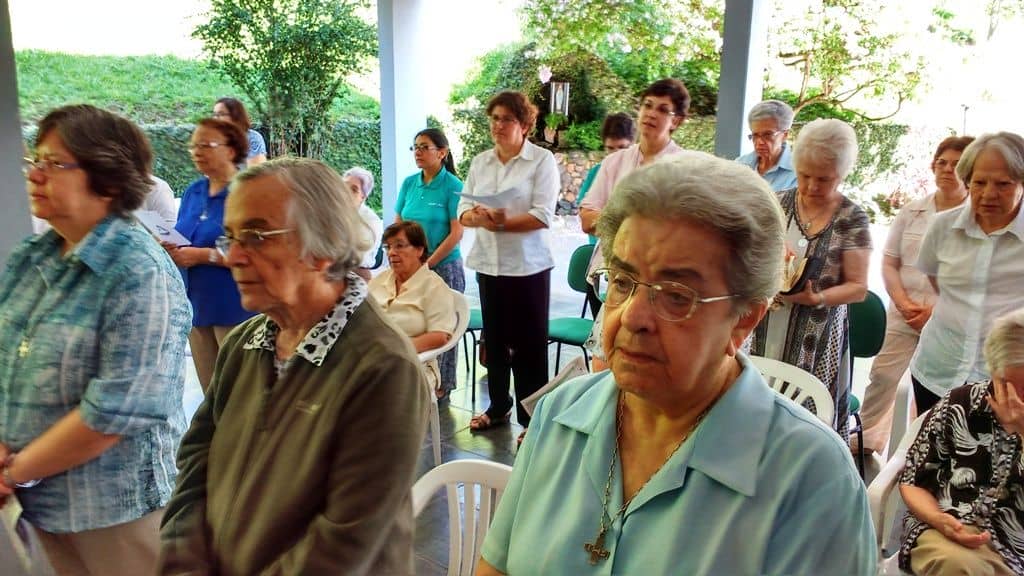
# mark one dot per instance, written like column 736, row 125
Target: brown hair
column 958, row 143
column 672, row 89
column 237, row 111
column 413, row 232
column 237, row 139
column 113, row 152
column 518, row 104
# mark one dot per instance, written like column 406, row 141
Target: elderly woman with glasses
column 828, row 233
column 93, row 325
column 359, row 183
column 301, row 458
column 963, row 480
column 511, row 254
column 772, row 157
column 681, row 459
column 217, row 147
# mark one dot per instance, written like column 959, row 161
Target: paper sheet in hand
column 500, row 200
column 162, row 229
column 17, row 531
column 571, row 370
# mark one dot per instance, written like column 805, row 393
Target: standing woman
column 93, row 321
column 431, row 199
column 217, row 147
column 911, row 294
column 809, row 329
column 233, row 110
column 511, row 254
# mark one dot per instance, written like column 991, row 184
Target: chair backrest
column 578, row 265
column 378, row 258
column 466, row 534
column 884, row 498
column 867, row 326
column 798, row 385
column 461, row 323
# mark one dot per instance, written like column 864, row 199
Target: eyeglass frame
column 768, row 135
column 654, row 288
column 422, row 148
column 46, row 165
column 223, row 243
column 502, row 119
column 205, row 146
column 650, row 106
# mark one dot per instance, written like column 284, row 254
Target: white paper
column 571, row 370
column 500, row 200
column 162, row 229
column 17, row 531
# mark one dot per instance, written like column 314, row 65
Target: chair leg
column 558, row 356
column 860, row 444
column 586, row 358
column 465, row 349
column 472, row 381
column 435, row 432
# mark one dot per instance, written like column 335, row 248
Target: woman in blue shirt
column 431, row 198
column 217, row 147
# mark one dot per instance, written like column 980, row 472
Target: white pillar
column 744, row 47
column 15, row 222
column 403, row 76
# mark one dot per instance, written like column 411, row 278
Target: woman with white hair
column 974, row 257
column 827, row 236
column 301, row 458
column 769, row 123
column 681, row 459
column 963, row 479
column 359, row 182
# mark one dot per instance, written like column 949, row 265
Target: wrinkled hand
column 1007, row 405
column 910, row 309
column 918, row 321
column 953, row 529
column 497, row 215
column 806, row 297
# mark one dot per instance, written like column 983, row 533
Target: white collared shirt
column 980, row 277
column 533, row 173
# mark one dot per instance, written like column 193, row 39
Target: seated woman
column 681, row 459
column 413, row 296
column 962, row 483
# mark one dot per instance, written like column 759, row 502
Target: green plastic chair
column 476, row 324
column 574, row 331
column 867, row 334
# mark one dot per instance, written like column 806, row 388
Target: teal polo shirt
column 433, row 206
column 780, row 177
column 761, row 487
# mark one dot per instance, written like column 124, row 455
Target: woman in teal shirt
column 430, row 198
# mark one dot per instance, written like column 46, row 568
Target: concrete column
column 15, row 222
column 403, row 75
column 744, row 57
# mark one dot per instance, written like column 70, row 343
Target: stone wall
column 573, row 166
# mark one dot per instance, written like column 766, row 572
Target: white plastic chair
column 884, row 498
column 465, row 534
column 461, row 322
column 902, row 413
column 798, row 385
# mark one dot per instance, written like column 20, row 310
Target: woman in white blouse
column 511, row 254
column 974, row 257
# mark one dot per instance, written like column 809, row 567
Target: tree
column 291, row 58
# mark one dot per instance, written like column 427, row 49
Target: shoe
column 484, row 421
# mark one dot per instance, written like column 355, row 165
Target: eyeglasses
column 503, row 119
column 671, row 301
column 422, row 148
column 248, row 240
column 222, row 115
column 764, row 135
column 663, row 110
column 46, row 165
column 205, row 146
column 396, row 246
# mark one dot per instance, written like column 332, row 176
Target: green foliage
column 585, row 136
column 171, row 160
column 697, row 133
column 356, row 143
column 877, row 157
column 555, row 120
column 291, row 58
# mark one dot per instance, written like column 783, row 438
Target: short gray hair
column 1004, row 346
column 1009, row 145
column 827, row 140
column 774, row 109
column 725, row 196
column 323, row 214
column 363, row 176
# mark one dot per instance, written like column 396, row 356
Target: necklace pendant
column 596, row 549
column 24, row 348
column 203, row 216
column 801, row 242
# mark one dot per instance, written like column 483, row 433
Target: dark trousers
column 924, row 398
column 515, row 315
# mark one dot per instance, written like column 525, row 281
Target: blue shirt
column 584, row 188
column 210, row 288
column 761, row 487
column 102, row 329
column 257, row 145
column 433, row 206
column 780, row 177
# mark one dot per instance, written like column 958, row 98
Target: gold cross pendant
column 23, row 348
column 596, row 549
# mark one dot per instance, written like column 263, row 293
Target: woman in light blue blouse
column 431, row 199
column 93, row 324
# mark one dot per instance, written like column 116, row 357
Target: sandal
column 484, row 421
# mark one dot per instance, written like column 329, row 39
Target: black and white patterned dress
column 973, row 467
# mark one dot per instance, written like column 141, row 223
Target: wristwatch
column 5, row 475
column 214, row 257
column 821, row 301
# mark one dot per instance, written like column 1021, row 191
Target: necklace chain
column 806, row 225
column 596, row 548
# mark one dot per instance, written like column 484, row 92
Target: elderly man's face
column 270, row 275
column 661, row 361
